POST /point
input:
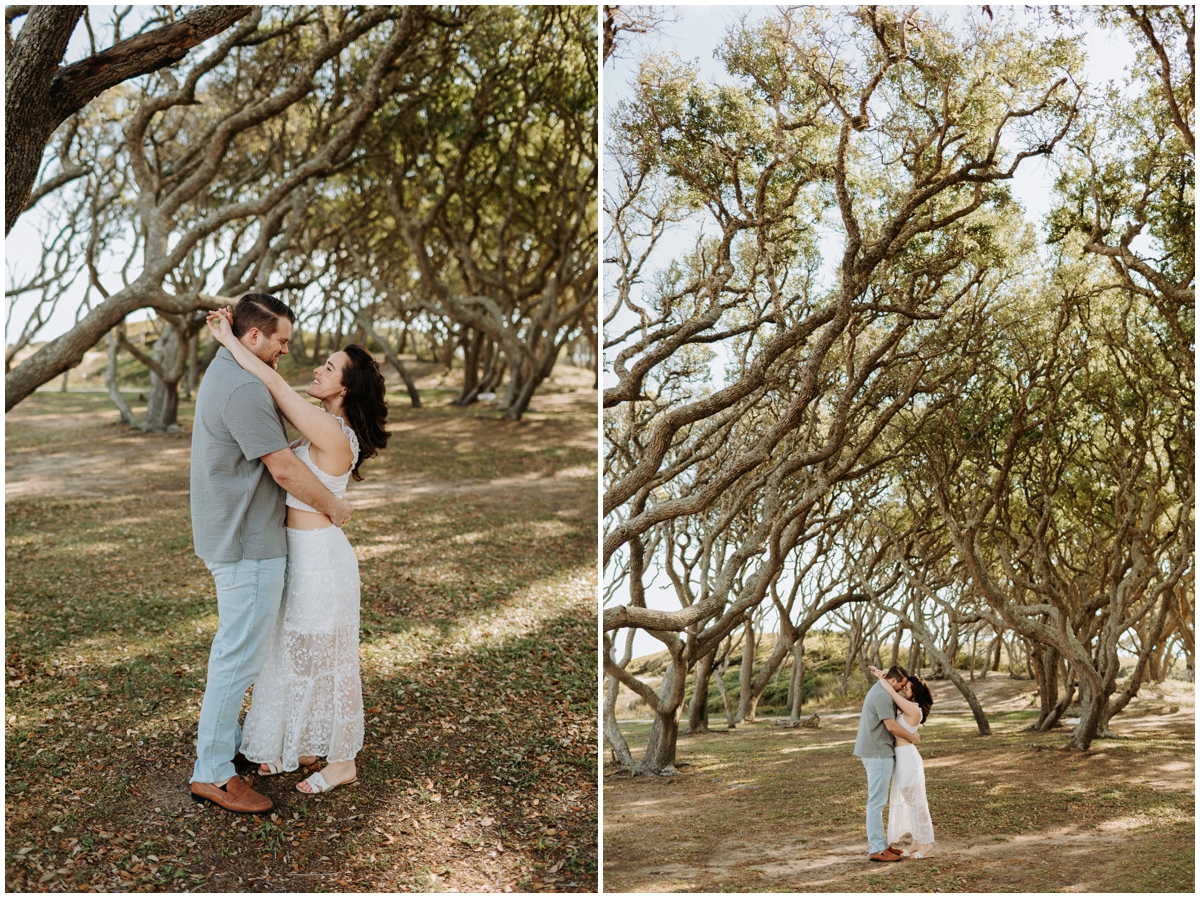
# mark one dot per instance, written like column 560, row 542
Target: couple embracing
column 887, row 744
column 266, row 520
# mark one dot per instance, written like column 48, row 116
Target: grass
column 478, row 660
column 765, row 808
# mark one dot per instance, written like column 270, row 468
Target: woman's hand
column 875, row 670
column 220, row 323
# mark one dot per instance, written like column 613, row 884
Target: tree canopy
column 386, row 168
column 848, row 381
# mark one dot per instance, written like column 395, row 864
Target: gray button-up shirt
column 237, row 508
column 874, row 740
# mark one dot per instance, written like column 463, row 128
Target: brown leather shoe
column 885, row 856
column 234, row 796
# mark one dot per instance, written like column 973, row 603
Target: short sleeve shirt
column 874, row 740
column 237, row 508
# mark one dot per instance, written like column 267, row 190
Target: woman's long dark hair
column 921, row 695
column 363, row 406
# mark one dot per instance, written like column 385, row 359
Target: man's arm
column 899, row 732
column 295, row 477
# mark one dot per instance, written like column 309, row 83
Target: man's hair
column 896, row 673
column 262, row 311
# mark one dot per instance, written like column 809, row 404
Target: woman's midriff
column 298, row 519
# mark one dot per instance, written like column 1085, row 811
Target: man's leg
column 248, row 596
column 879, row 780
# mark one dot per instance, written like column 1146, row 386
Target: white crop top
column 335, row 485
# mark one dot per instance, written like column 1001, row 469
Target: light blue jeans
column 879, row 781
column 248, row 596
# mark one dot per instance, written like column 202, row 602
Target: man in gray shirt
column 875, row 745
column 241, row 468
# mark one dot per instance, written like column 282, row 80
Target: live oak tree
column 211, row 157
column 490, row 185
column 1129, row 184
column 1064, row 477
column 40, row 93
column 878, row 125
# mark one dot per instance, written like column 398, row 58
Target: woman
column 308, row 699
column 908, row 810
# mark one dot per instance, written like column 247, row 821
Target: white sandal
column 274, row 768
column 317, row 783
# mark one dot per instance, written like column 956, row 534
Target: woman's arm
column 908, row 707
column 315, row 423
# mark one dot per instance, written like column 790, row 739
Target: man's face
column 898, row 683
column 269, row 349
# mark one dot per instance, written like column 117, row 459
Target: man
column 241, row 468
column 875, row 745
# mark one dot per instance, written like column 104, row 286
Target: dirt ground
column 767, row 808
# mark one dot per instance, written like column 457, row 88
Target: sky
column 699, row 30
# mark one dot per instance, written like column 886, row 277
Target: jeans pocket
column 224, row 573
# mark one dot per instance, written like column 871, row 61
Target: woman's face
column 907, row 691
column 327, row 378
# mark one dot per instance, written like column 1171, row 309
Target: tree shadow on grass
column 478, row 653
column 1007, row 815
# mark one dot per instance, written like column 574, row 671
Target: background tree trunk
column 796, row 684
column 110, row 380
column 698, row 711
column 659, row 757
column 746, row 701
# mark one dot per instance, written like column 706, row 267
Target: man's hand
column 898, row 732
column 342, row 513
column 295, row 477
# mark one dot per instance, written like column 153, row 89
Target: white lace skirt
column 908, row 810
column 308, row 698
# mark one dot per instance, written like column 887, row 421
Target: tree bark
column 110, row 380
column 1117, row 705
column 1045, row 672
column 698, row 710
column 981, row 721
column 193, row 365
column 162, row 410
column 472, row 346
column 612, row 689
column 746, row 700
column 1094, row 700
column 730, row 720
column 29, row 69
column 664, row 731
column 796, row 686
column 1056, row 713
